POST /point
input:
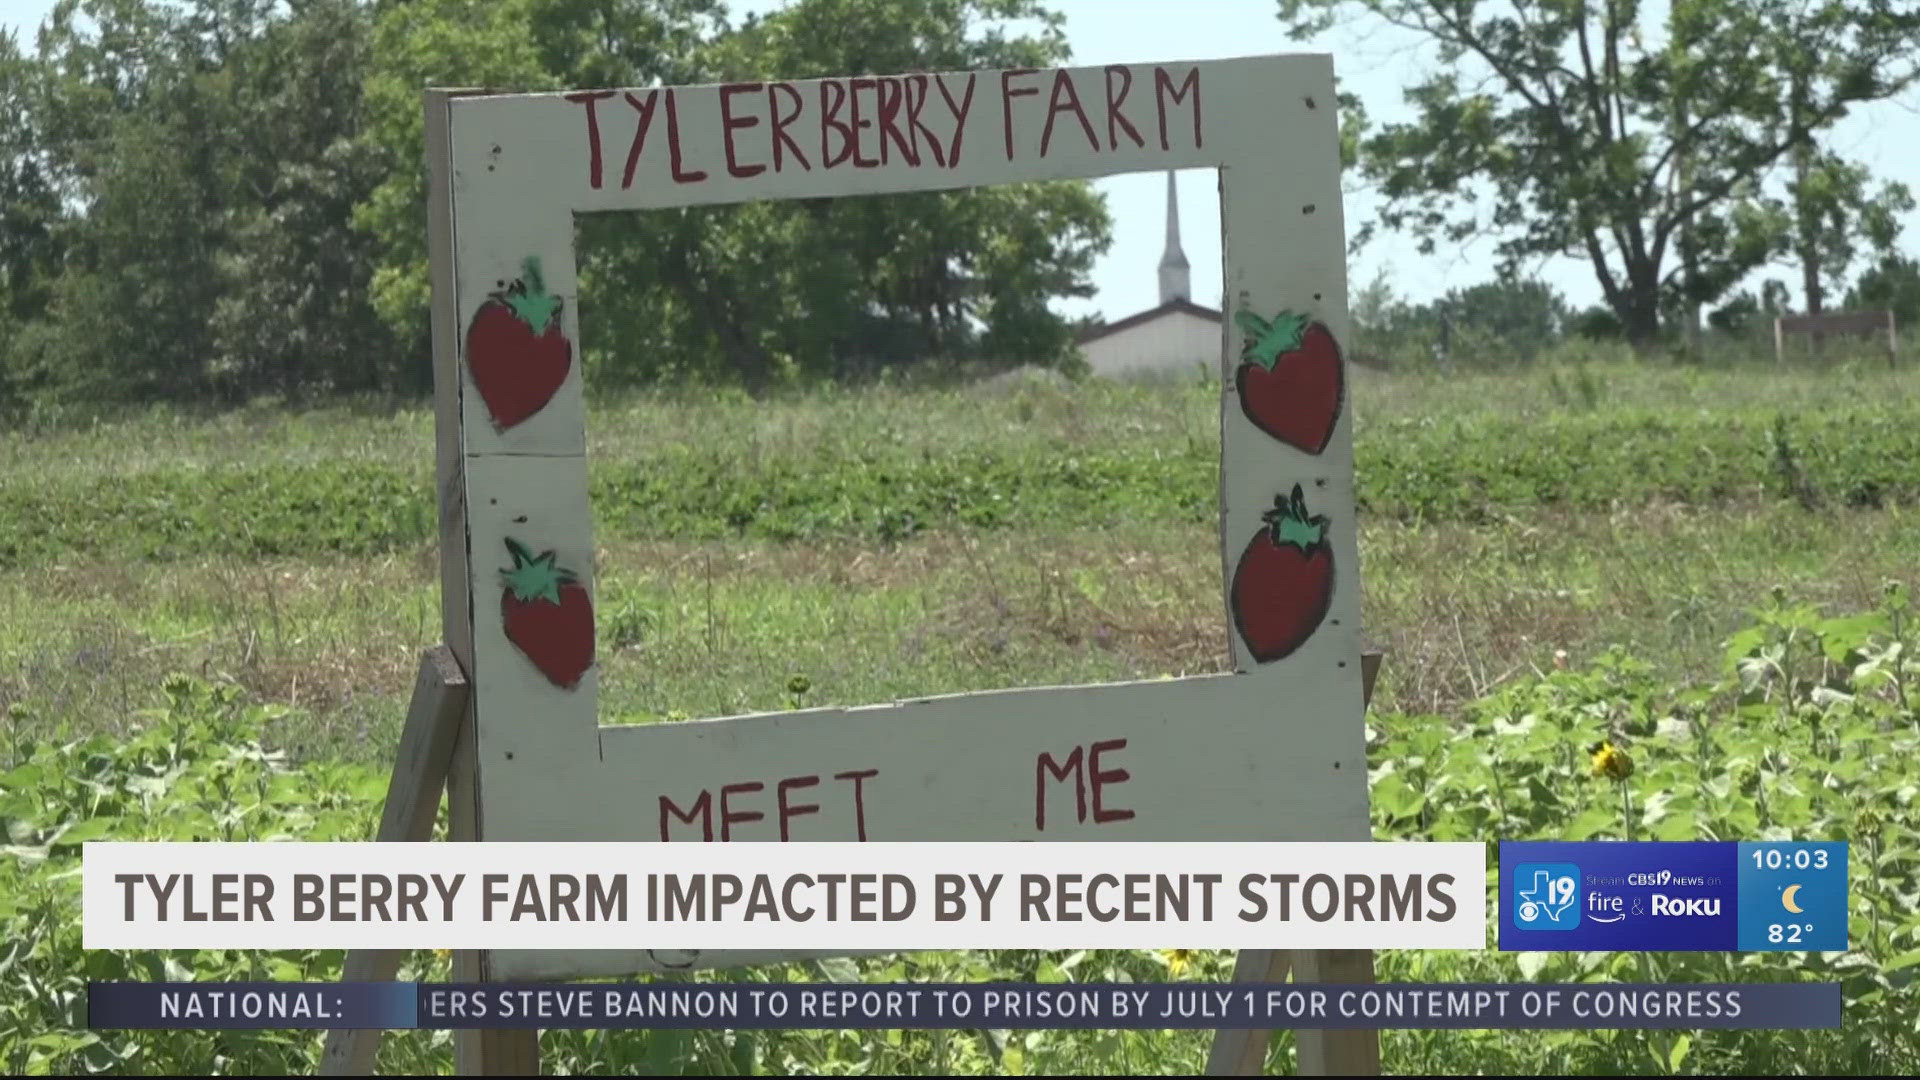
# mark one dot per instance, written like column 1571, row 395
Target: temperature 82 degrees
column 1793, row 897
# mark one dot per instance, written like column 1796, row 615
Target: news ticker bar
column 604, row 1006
column 1604, row 896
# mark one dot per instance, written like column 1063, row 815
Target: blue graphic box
column 1793, row 897
column 1673, row 896
column 1612, row 890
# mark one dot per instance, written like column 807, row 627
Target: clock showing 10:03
column 1792, row 896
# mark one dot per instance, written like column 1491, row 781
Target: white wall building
column 1179, row 337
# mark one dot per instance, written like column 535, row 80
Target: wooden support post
column 1321, row 1053
column 1346, row 1051
column 1243, row 1052
column 440, row 696
column 512, row 1052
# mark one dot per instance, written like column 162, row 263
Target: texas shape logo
column 1546, row 896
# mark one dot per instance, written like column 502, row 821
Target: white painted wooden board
column 1272, row 752
column 1213, row 757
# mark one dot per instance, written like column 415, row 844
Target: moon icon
column 1786, row 899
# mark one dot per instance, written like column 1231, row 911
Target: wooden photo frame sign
column 1273, row 751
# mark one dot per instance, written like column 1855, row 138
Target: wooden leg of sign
column 413, row 802
column 513, row 1053
column 1321, row 1053
column 490, row 1051
column 1243, row 1052
column 1345, row 1052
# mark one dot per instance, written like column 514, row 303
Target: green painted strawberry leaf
column 529, row 298
column 534, row 577
column 1290, row 523
column 1268, row 341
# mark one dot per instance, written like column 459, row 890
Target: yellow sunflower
column 1610, row 761
column 1177, row 960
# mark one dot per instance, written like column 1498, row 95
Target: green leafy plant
column 1790, row 742
column 1460, row 469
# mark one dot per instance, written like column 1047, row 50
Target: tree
column 131, row 116
column 295, row 313
column 1832, row 207
column 1751, row 310
column 1576, row 127
column 943, row 274
column 1892, row 284
column 205, row 154
column 29, row 211
column 509, row 45
column 1506, row 319
column 1523, row 317
column 1834, row 213
column 208, row 199
column 761, row 291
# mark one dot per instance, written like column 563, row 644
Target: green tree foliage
column 1598, row 146
column 212, row 199
column 1751, row 311
column 510, row 45
column 1500, row 321
column 1838, row 217
column 295, row 311
column 764, row 291
column 29, row 210
column 202, row 155
column 1893, row 284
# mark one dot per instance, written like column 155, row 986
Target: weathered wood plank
column 440, row 699
column 1321, row 1053
column 1817, row 327
column 1838, row 322
column 514, row 1052
column 1343, row 1052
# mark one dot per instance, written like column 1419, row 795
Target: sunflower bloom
column 1610, row 761
column 1177, row 960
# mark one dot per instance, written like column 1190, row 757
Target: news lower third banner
column 780, row 897
column 1597, row 896
column 1679, row 896
column 1150, row 1006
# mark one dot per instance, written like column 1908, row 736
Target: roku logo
column 1667, row 905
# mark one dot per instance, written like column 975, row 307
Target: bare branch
column 1601, row 114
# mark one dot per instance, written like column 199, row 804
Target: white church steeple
column 1175, row 279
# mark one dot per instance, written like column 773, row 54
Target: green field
column 208, row 626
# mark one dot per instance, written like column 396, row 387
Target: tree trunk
column 1810, row 272
column 1678, row 43
column 1683, row 176
column 1810, row 275
column 1638, row 304
column 1642, row 322
column 749, row 362
column 1806, row 221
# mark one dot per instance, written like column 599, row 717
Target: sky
column 1373, row 61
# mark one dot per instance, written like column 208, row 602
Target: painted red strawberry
column 1292, row 382
column 516, row 350
column 547, row 615
column 1284, row 583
